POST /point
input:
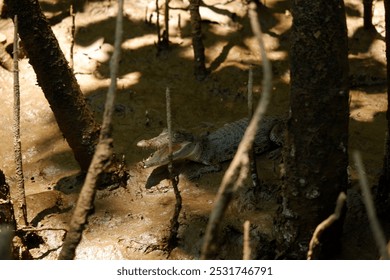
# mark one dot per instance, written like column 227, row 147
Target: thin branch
column 29, row 228
column 72, row 33
column 166, row 23
column 250, row 93
column 169, row 126
column 158, row 23
column 370, row 208
column 326, row 224
column 247, row 242
column 252, row 156
column 19, row 193
column 101, row 157
column 174, row 227
column 179, row 26
column 238, row 169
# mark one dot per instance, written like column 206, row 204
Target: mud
column 128, row 221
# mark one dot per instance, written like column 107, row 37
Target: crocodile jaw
column 180, row 151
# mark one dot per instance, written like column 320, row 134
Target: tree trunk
column 56, row 79
column 315, row 155
column 7, row 221
column 367, row 14
column 382, row 199
column 197, row 42
column 6, row 208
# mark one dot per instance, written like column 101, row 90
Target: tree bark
column 7, row 220
column 367, row 14
column 382, row 196
column 197, row 42
column 56, row 79
column 315, row 155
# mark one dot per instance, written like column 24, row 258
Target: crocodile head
column 184, row 147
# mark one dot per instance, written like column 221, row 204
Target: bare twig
column 146, row 15
column 169, row 126
column 326, row 224
column 247, row 242
column 238, row 168
column 19, row 197
column 158, row 22
column 252, row 157
column 28, row 229
column 102, row 155
column 72, row 33
column 370, row 208
column 166, row 23
column 250, row 92
column 172, row 239
column 179, row 26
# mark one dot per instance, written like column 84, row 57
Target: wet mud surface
column 128, row 221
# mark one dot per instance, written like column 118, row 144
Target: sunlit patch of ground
column 127, row 221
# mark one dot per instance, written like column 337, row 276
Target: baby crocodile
column 215, row 147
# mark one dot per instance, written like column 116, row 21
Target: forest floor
column 128, row 221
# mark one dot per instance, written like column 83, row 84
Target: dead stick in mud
column 324, row 225
column 252, row 156
column 246, row 252
column 179, row 26
column 72, row 33
column 101, row 157
column 32, row 229
column 166, row 23
column 158, row 22
column 370, row 208
column 238, row 169
column 18, row 196
column 174, row 227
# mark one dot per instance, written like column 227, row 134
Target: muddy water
column 128, row 221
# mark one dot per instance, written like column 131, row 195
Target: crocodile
column 213, row 148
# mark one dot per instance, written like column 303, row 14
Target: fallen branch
column 101, row 157
column 315, row 240
column 238, row 169
column 35, row 229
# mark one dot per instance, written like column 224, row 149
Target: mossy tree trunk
column 56, row 79
column 315, row 156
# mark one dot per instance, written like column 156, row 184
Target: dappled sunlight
column 126, row 221
column 139, row 42
column 365, row 107
column 124, row 82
